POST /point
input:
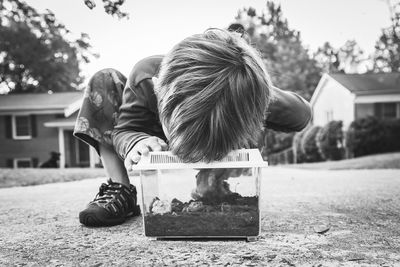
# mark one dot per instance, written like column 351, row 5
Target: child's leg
column 98, row 116
column 113, row 165
column 116, row 199
column 212, row 186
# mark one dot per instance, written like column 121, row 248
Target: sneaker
column 112, row 205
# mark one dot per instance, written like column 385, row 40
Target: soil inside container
column 235, row 216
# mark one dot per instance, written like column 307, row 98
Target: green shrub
column 367, row 136
column 278, row 141
column 282, row 157
column 272, row 142
column 298, row 154
column 392, row 138
column 330, row 141
column 309, row 144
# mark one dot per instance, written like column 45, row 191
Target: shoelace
column 106, row 192
column 111, row 197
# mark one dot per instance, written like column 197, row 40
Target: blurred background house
column 33, row 125
column 347, row 66
column 348, row 97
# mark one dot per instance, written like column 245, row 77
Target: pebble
column 195, row 206
column 161, row 207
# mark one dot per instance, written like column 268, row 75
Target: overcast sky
column 156, row 25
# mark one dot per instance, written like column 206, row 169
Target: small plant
column 298, row 153
column 392, row 127
column 330, row 141
column 309, row 144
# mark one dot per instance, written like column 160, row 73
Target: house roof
column 66, row 102
column 370, row 83
column 67, row 122
column 63, row 122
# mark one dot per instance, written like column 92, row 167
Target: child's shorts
column 100, row 107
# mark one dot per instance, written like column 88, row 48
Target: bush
column 278, row 141
column 309, row 144
column 330, row 141
column 371, row 135
column 282, row 157
column 392, row 127
column 272, row 142
column 298, row 154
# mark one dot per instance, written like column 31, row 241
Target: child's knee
column 106, row 80
column 107, row 74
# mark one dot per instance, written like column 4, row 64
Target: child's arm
column 287, row 111
column 142, row 148
column 138, row 128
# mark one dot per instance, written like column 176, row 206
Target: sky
column 156, row 25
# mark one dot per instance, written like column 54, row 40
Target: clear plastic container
column 201, row 200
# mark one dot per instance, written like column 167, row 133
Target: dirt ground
column 359, row 210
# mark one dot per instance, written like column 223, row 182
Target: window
column 389, row 110
column 386, row 110
column 23, row 163
column 329, row 115
column 21, row 127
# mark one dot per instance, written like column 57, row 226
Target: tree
column 346, row 59
column 352, row 57
column 112, row 7
column 387, row 48
column 328, row 58
column 287, row 60
column 36, row 54
column 289, row 63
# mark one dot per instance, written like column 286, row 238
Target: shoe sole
column 96, row 220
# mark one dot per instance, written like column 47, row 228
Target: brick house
column 33, row 125
column 348, row 97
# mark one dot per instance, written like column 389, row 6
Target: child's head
column 212, row 92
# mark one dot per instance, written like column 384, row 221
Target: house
column 348, row 97
column 33, row 125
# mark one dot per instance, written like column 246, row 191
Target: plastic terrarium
column 201, row 200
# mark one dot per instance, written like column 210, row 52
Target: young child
column 208, row 96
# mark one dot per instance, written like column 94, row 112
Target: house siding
column 38, row 147
column 334, row 102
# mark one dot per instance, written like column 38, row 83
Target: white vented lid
column 242, row 158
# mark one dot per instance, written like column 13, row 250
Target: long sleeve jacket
column 139, row 119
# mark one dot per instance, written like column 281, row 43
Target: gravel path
column 39, row 226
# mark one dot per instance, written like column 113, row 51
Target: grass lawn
column 381, row 161
column 25, row 177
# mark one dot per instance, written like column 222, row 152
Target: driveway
column 358, row 210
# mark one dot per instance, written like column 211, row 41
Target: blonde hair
column 212, row 91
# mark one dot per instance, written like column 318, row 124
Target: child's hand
column 143, row 147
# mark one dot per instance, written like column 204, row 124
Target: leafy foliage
column 35, row 54
column 366, row 136
column 387, row 48
column 112, row 7
column 278, row 141
column 330, row 141
column 309, row 144
column 298, row 152
column 287, row 60
column 392, row 127
column 346, row 59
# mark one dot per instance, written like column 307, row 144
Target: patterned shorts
column 100, row 108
